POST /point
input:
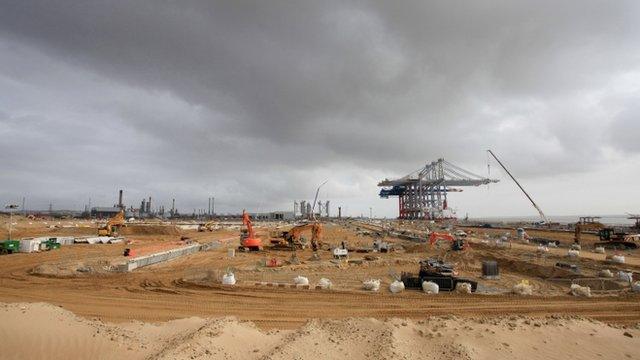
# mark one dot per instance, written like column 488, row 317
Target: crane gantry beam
column 422, row 194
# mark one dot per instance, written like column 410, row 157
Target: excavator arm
column 293, row 235
column 434, row 236
column 116, row 221
column 246, row 220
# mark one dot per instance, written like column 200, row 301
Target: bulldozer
column 113, row 225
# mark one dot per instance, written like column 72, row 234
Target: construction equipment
column 586, row 223
column 9, row 246
column 208, row 226
column 612, row 239
column 542, row 215
column 438, row 272
column 248, row 239
column 50, row 244
column 457, row 243
column 292, row 239
column 113, row 225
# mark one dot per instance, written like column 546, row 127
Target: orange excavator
column 248, row 239
column 457, row 244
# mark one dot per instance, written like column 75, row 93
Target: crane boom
column 542, row 215
column 313, row 211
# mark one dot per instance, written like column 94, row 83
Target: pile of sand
column 46, row 331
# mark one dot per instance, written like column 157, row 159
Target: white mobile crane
column 542, row 215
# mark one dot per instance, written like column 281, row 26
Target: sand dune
column 44, row 331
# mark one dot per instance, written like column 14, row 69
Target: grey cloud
column 262, row 100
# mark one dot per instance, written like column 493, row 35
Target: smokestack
column 173, row 206
column 120, row 205
column 339, row 212
column 149, row 205
column 326, row 208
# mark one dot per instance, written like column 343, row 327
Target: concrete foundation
column 158, row 257
column 146, row 260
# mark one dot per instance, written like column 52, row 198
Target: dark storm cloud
column 263, row 100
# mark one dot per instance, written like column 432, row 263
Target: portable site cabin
column 64, row 240
column 30, row 245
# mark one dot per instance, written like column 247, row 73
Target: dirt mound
column 534, row 270
column 73, row 268
column 150, row 230
column 34, row 331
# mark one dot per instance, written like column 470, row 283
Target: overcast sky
column 256, row 103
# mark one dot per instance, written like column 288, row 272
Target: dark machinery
column 612, row 239
column 9, row 246
column 438, row 272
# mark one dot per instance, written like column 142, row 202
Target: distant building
column 274, row 216
column 104, row 212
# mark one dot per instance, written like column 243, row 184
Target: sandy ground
column 178, row 309
column 189, row 286
column 44, row 331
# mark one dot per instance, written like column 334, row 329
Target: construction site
column 282, row 271
column 306, row 180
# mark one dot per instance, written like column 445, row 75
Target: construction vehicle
column 457, row 243
column 248, row 239
column 438, row 272
column 9, row 246
column 113, row 225
column 50, row 244
column 544, row 220
column 586, row 223
column 292, row 239
column 612, row 239
column 208, row 226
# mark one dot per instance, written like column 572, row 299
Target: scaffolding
column 422, row 194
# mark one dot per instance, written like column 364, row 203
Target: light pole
column 10, row 207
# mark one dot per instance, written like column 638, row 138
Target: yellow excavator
column 291, row 239
column 113, row 225
column 206, row 226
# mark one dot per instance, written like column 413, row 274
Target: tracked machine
column 248, row 239
column 438, row 272
column 113, row 226
column 458, row 243
column 610, row 238
column 292, row 239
